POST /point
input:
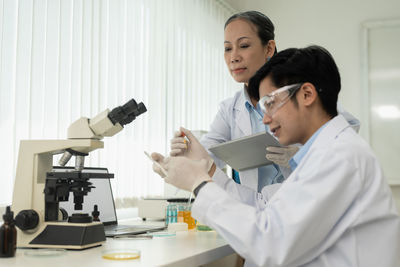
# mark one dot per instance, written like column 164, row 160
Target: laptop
column 102, row 196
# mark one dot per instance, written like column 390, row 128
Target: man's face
column 286, row 123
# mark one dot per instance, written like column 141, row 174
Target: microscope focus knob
column 27, row 219
column 48, row 191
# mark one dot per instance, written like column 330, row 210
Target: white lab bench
column 192, row 248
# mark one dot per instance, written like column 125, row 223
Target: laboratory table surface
column 190, row 248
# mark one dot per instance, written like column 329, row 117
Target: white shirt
column 334, row 210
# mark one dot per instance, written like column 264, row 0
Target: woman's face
column 244, row 52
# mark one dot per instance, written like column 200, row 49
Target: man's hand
column 160, row 160
column 178, row 144
column 192, row 149
column 281, row 155
column 182, row 172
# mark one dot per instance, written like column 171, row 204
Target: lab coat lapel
column 242, row 117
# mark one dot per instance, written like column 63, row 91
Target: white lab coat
column 334, row 210
column 233, row 121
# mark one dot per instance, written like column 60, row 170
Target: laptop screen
column 101, row 196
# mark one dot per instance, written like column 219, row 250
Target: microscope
column 38, row 190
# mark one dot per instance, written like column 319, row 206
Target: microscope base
column 68, row 235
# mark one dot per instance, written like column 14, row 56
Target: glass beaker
column 187, row 217
column 181, row 213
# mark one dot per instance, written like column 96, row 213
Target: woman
column 249, row 44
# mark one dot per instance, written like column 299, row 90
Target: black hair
column 313, row 64
column 265, row 27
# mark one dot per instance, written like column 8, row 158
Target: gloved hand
column 182, row 172
column 192, row 149
column 158, row 168
column 281, row 155
column 178, row 144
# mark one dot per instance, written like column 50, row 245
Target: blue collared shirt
column 267, row 174
column 293, row 162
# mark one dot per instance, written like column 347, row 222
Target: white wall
column 336, row 25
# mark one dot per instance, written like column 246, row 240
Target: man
column 335, row 209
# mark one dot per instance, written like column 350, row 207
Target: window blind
column 64, row 59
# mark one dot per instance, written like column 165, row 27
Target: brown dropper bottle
column 8, row 235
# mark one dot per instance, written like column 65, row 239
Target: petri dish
column 121, row 254
column 40, row 252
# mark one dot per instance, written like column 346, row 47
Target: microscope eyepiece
column 127, row 113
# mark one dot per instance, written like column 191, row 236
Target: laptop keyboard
column 112, row 230
column 124, row 228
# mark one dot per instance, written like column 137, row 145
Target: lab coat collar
column 242, row 117
column 330, row 132
column 333, row 128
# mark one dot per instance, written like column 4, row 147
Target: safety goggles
column 269, row 104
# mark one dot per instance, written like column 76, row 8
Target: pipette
column 156, row 163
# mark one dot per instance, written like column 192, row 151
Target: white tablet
column 247, row 152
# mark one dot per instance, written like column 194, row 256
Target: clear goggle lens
column 269, row 104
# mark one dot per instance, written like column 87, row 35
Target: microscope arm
column 35, row 159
